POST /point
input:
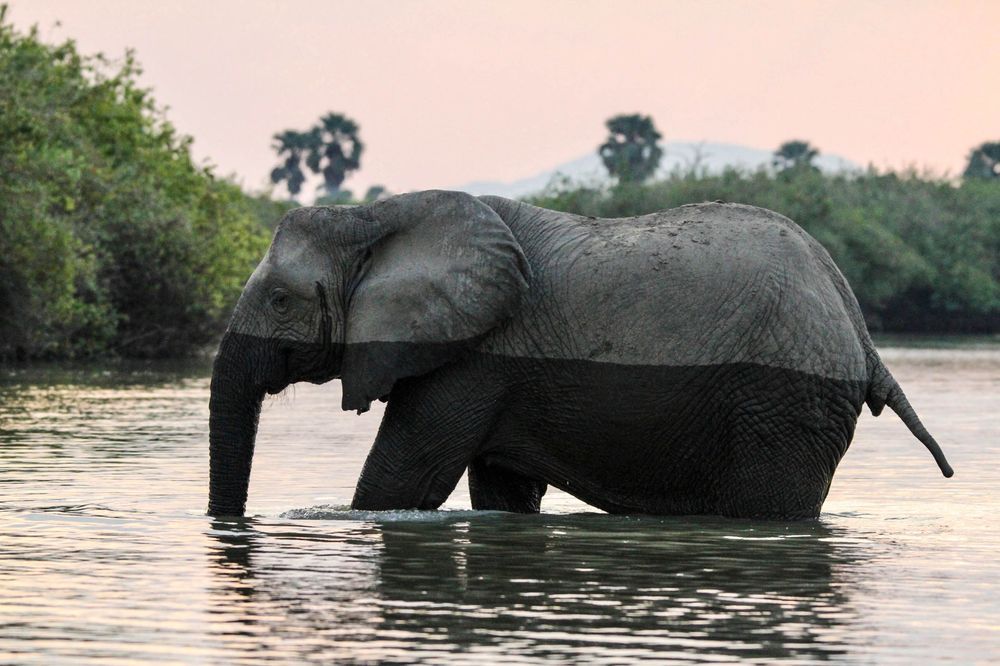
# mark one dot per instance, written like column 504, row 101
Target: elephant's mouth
column 314, row 363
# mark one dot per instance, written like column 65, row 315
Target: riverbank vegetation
column 112, row 239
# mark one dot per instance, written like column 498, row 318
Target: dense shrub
column 921, row 253
column 111, row 238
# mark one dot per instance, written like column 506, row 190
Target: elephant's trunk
column 237, row 392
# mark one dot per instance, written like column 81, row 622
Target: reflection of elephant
column 705, row 359
column 570, row 588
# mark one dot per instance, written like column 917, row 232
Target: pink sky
column 448, row 92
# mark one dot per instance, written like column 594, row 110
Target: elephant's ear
column 444, row 271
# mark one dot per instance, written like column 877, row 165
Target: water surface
column 106, row 556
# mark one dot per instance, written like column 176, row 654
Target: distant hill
column 712, row 157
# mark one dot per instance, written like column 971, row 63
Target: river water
column 106, row 555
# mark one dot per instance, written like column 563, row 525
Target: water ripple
column 106, row 555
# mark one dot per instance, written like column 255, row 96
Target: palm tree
column 631, row 152
column 794, row 155
column 984, row 162
column 291, row 145
column 334, row 150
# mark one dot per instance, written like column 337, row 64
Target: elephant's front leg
column 432, row 428
column 494, row 487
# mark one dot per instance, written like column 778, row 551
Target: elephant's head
column 370, row 294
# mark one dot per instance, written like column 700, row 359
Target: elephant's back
column 699, row 285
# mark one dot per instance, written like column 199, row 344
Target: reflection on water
column 584, row 587
column 106, row 556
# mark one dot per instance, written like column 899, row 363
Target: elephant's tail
column 883, row 389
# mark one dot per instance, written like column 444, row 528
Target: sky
column 448, row 92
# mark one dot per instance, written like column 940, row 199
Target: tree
column 795, row 155
column 376, row 192
column 292, row 145
column 342, row 197
column 984, row 162
column 331, row 148
column 335, row 150
column 631, row 153
column 113, row 239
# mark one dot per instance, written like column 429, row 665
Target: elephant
column 707, row 359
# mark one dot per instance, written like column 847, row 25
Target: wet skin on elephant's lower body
column 740, row 440
column 495, row 487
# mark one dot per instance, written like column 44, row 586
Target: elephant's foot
column 495, row 488
column 370, row 497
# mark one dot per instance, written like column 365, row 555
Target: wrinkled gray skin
column 705, row 359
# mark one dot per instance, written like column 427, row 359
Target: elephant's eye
column 280, row 300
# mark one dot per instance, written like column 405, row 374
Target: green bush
column 921, row 253
column 112, row 240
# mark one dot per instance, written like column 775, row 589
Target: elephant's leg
column 496, row 488
column 433, row 426
column 785, row 447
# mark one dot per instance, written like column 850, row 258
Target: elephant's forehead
column 296, row 249
column 294, row 264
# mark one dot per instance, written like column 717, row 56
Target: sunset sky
column 448, row 92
